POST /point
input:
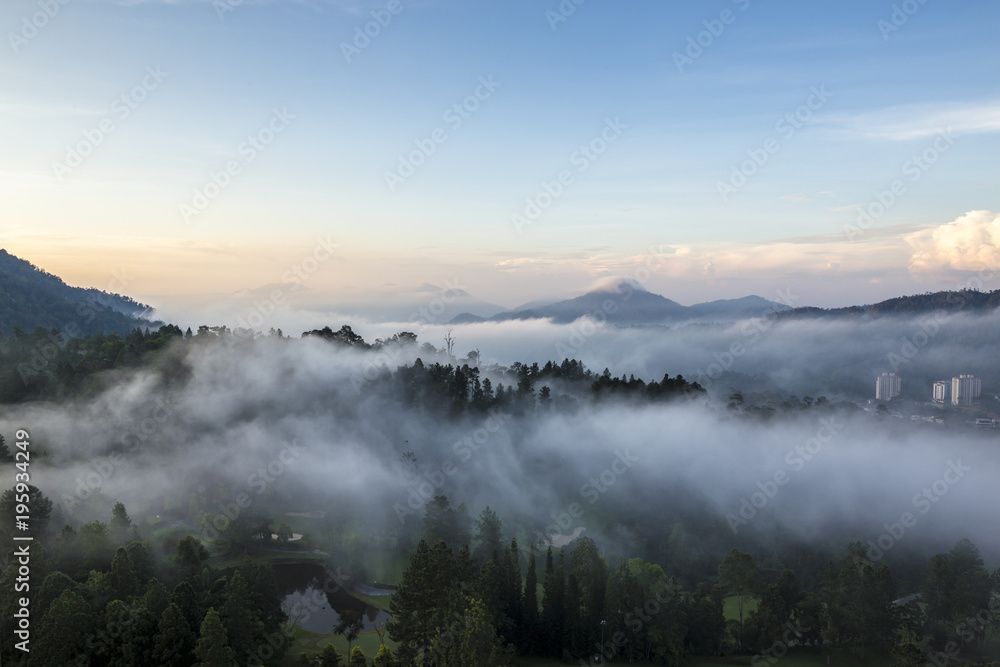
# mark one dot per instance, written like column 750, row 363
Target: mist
column 306, row 424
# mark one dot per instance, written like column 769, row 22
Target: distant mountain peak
column 617, row 285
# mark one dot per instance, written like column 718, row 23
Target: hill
column 31, row 297
column 966, row 300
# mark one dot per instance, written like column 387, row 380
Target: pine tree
column 120, row 522
column 173, row 645
column 123, row 580
column 489, row 536
column 411, row 626
column 529, row 605
column 141, row 562
column 479, row 645
column 238, row 617
column 63, row 632
column 212, row 648
column 552, row 606
column 512, row 593
column 156, row 598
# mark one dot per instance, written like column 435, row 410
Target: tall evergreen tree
column 238, row 618
column 124, row 583
column 212, row 648
column 412, row 626
column 529, row 605
column 173, row 645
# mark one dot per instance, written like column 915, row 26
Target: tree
column 284, row 533
column 553, row 603
column 120, row 522
column 329, row 657
column 96, row 546
column 126, row 640
column 442, row 523
column 411, row 626
column 383, row 658
column 529, row 604
column 40, row 506
column 190, row 553
column 478, row 645
column 738, row 576
column 141, row 562
column 64, row 632
column 489, row 536
column 349, row 624
column 124, row 583
column 425, row 601
column 358, row 658
column 174, row 642
column 238, row 618
column 908, row 655
column 212, row 648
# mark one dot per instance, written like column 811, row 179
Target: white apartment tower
column 941, row 391
column 887, row 386
column 965, row 389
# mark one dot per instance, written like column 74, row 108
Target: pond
column 316, row 610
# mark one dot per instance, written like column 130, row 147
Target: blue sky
column 233, row 70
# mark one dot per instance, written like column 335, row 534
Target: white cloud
column 968, row 243
column 903, row 123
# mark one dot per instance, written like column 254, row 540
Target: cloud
column 968, row 243
column 903, row 123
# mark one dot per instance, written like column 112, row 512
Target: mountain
column 424, row 303
column 31, row 297
column 967, row 300
column 625, row 302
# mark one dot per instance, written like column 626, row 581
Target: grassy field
column 730, row 609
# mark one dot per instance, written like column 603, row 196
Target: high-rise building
column 887, row 386
column 965, row 389
column 941, row 391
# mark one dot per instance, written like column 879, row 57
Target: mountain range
column 625, row 302
column 31, row 297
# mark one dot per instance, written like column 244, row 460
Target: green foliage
column 40, row 505
column 478, row 645
column 349, row 624
column 31, row 297
column 238, row 617
column 738, row 576
column 383, row 658
column 174, row 643
column 358, row 658
column 212, row 648
column 329, row 657
column 64, row 631
column 123, row 581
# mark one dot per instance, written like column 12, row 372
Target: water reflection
column 302, row 586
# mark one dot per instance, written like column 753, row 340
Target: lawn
column 730, row 609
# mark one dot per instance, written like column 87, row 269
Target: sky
column 184, row 150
